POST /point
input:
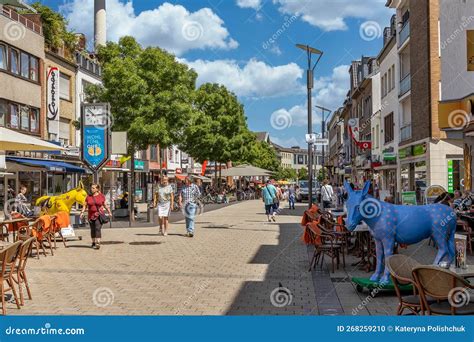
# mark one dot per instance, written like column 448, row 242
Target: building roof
column 263, row 136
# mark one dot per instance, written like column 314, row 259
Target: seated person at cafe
column 124, row 203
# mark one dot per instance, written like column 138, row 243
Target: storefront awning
column 50, row 165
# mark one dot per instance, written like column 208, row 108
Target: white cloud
column 330, row 15
column 253, row 79
column 255, row 4
column 330, row 93
column 168, row 26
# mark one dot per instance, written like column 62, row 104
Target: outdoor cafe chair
column 20, row 279
column 340, row 233
column 325, row 243
column 8, row 257
column 401, row 267
column 450, row 290
column 42, row 229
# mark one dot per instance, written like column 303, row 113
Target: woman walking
column 269, row 194
column 95, row 205
column 165, row 198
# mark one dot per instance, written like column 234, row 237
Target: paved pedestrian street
column 237, row 264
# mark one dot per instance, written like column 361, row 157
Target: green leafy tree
column 286, row 174
column 55, row 32
column 217, row 129
column 260, row 154
column 150, row 93
column 303, row 174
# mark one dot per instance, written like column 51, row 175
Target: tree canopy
column 217, row 129
column 150, row 93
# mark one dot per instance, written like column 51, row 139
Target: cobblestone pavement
column 237, row 264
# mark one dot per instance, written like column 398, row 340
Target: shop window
column 25, row 118
column 14, row 121
column 388, row 128
column 65, row 87
column 14, row 62
column 25, row 65
column 34, row 120
column 470, row 50
column 3, row 57
column 33, row 68
column 3, row 112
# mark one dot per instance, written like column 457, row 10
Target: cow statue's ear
column 348, row 187
column 365, row 191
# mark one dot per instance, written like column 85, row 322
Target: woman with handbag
column 95, row 205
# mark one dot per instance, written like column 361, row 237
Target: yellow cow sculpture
column 50, row 205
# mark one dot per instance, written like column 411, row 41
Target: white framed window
column 65, row 87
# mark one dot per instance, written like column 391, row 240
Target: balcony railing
column 405, row 85
column 9, row 13
column 404, row 34
column 405, row 132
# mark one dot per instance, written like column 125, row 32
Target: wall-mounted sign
column 419, row 150
column 52, row 102
column 409, row 197
column 139, row 165
column 389, row 156
column 405, row 152
column 95, row 131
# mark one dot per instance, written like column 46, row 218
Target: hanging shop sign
column 450, row 176
column 95, row 132
column 52, row 102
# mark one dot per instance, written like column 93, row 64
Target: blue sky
column 249, row 45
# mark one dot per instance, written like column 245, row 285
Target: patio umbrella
column 14, row 141
column 245, row 170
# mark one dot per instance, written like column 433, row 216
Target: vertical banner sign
column 450, row 176
column 95, row 130
column 52, row 102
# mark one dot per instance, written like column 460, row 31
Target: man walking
column 188, row 199
column 327, row 193
column 291, row 197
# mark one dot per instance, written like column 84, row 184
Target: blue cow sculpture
column 389, row 223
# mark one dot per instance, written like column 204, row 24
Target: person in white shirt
column 327, row 194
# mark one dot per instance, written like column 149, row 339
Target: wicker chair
column 325, row 243
column 20, row 278
column 8, row 258
column 401, row 267
column 446, row 287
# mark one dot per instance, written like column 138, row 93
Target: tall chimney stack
column 100, row 23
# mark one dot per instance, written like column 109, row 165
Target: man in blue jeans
column 188, row 199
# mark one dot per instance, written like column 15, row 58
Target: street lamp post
column 309, row 81
column 323, row 132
